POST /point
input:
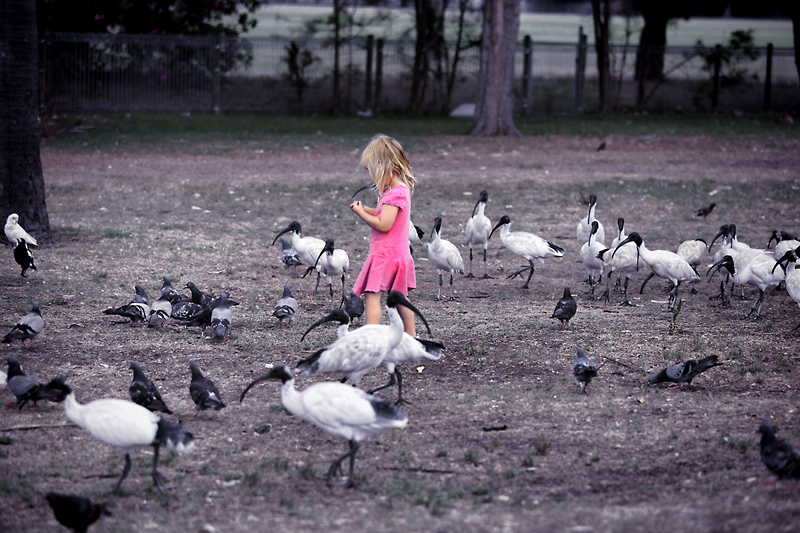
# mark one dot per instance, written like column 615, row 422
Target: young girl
column 389, row 265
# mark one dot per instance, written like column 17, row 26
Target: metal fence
column 89, row 72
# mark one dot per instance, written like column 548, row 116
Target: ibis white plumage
column 444, row 256
column 477, row 230
column 339, row 410
column 584, row 228
column 625, row 262
column 308, row 248
column 590, row 256
column 792, row 275
column 333, row 262
column 126, row 425
column 759, row 273
column 526, row 245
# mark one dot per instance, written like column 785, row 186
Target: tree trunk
column 794, row 8
column 652, row 41
column 21, row 179
column 337, row 44
column 494, row 110
column 602, row 19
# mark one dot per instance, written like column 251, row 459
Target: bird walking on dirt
column 684, row 372
column 705, row 211
column 286, row 307
column 584, row 228
column 137, row 310
column 526, row 245
column 144, row 392
column 24, row 257
column 565, row 308
column 584, row 369
column 28, row 327
column 339, row 410
column 27, row 389
column 75, row 512
column 221, row 318
column 477, row 230
column 203, row 391
column 444, row 256
column 780, row 458
column 15, row 232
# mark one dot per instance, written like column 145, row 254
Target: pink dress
column 389, row 265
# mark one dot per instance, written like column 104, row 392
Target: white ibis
column 27, row 327
column 126, row 425
column 694, row 251
column 24, row 257
column 359, row 351
column 526, row 245
column 792, row 275
column 15, row 232
column 584, row 369
column 664, row 264
column 339, row 410
column 625, row 262
column 784, row 241
column 410, row 350
column 308, row 248
column 444, row 256
column 333, row 262
column 584, row 228
column 621, row 236
column 590, row 256
column 759, row 273
column 478, row 229
column 415, row 235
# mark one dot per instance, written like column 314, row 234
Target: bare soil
column 499, row 437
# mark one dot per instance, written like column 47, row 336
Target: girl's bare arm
column 383, row 223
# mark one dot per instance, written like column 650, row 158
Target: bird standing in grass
column 584, row 228
column 526, row 245
column 792, row 275
column 28, row 327
column 684, row 372
column 27, row 389
column 705, row 211
column 286, row 306
column 333, row 262
column 144, row 392
column 780, row 458
column 584, row 369
column 138, row 310
column 565, row 308
column 478, row 229
column 354, row 306
column 15, row 232
column 289, row 256
column 308, row 248
column 75, row 512
column 24, row 257
column 203, row 391
column 337, row 409
column 126, row 425
column 592, row 261
column 221, row 317
column 444, row 256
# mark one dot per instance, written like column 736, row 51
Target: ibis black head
column 365, row 187
column 419, row 231
column 293, row 226
column 788, row 257
column 726, row 263
column 733, row 230
column 337, row 315
column 502, row 222
column 437, row 225
column 328, row 248
column 620, row 223
column 396, row 298
column 483, row 197
column 281, row 372
column 595, row 227
column 724, row 232
column 634, row 238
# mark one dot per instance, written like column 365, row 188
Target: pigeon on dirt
column 289, row 255
column 28, row 326
column 584, row 369
column 15, row 233
column 354, row 306
column 24, row 257
column 169, row 292
column 160, row 311
column 286, row 307
column 75, row 512
column 198, row 296
column 221, row 317
column 202, row 318
column 705, row 211
column 684, row 372
column 781, row 458
column 27, row 389
column 203, row 391
column 138, row 310
column 144, row 392
column 565, row 308
column 184, row 309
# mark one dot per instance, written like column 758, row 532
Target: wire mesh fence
column 90, row 72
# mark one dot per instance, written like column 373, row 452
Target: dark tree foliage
column 163, row 17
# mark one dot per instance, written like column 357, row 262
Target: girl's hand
column 357, row 206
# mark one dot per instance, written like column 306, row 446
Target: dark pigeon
column 27, row 389
column 28, row 326
column 286, row 307
column 170, row 293
column 354, row 306
column 24, row 257
column 144, row 392
column 204, row 393
column 202, row 318
column 289, row 255
column 221, row 317
column 138, row 310
column 781, row 458
column 75, row 512
column 584, row 369
column 684, row 372
column 565, row 308
column 198, row 296
column 184, row 309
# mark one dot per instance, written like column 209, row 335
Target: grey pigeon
column 169, row 292
column 286, row 307
column 144, row 392
column 75, row 512
column 565, row 308
column 27, row 389
column 28, row 326
column 354, row 306
column 584, row 369
column 203, row 391
column 684, row 372
column 138, row 310
column 781, row 458
column 289, row 255
column 24, row 257
column 221, row 317
column 160, row 311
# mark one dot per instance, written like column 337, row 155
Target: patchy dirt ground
column 625, row 457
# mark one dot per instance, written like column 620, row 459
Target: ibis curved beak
column 626, row 241
column 476, row 207
column 719, row 264
column 272, row 374
column 494, row 228
column 361, row 189
column 722, row 231
column 327, row 318
column 283, row 232
column 784, row 258
column 320, row 255
column 397, row 298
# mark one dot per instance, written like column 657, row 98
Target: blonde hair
column 385, row 160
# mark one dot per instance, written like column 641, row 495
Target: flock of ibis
column 353, row 414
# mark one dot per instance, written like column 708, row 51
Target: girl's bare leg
column 372, row 301
column 408, row 320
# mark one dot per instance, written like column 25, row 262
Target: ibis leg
column 650, row 275
column 451, row 287
column 157, row 477
column 125, row 472
column 439, row 297
column 386, row 385
column 608, row 288
column 317, row 285
column 625, row 301
column 485, row 274
column 530, row 275
column 400, row 400
column 336, row 466
column 470, row 263
column 344, row 298
column 757, row 306
column 330, row 286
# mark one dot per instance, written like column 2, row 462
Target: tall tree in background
column 601, row 14
column 494, row 110
column 794, row 11
column 653, row 39
column 21, row 179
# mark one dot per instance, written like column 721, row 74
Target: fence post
column 378, row 74
column 216, row 85
column 715, row 79
column 580, row 72
column 368, row 75
column 768, row 80
column 527, row 81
